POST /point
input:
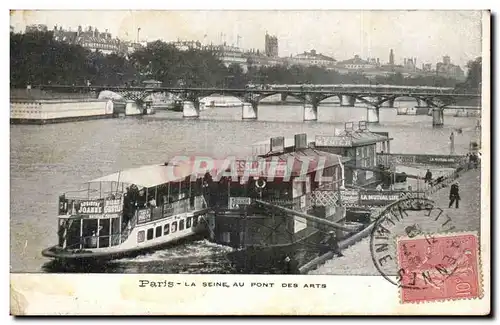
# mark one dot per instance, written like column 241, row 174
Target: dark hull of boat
column 277, row 259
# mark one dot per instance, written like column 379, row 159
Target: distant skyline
column 426, row 35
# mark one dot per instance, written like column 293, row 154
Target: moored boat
column 129, row 212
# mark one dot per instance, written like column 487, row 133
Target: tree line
column 36, row 58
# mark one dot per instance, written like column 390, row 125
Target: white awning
column 149, row 176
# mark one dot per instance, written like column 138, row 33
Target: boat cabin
column 282, row 174
column 283, row 177
column 104, row 213
column 360, row 147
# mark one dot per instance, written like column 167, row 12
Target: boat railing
column 71, row 206
column 165, row 210
column 70, row 210
column 92, row 194
column 300, row 203
column 322, row 197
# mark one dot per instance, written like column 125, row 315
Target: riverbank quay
column 356, row 259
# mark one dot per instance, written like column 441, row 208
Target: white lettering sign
column 332, row 141
column 113, row 206
column 236, row 202
column 91, row 210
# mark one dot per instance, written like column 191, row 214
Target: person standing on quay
column 454, row 195
column 428, row 176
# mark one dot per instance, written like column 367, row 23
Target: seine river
column 51, row 159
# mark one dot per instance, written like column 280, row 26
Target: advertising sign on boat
column 236, row 202
column 143, row 215
column 438, row 159
column 349, row 196
column 91, row 207
column 113, row 206
column 261, row 168
column 378, row 197
column 275, row 168
column 400, row 159
column 248, row 167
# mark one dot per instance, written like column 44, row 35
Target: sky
column 426, row 35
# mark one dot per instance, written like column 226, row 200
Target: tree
column 473, row 81
column 36, row 58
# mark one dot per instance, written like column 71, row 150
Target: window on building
column 166, row 229
column 226, row 237
column 365, row 156
column 150, row 234
column 158, row 232
column 174, row 226
column 188, row 222
column 181, row 225
column 140, row 236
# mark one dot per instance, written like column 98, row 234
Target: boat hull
column 91, row 257
column 84, row 256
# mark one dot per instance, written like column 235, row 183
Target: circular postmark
column 394, row 251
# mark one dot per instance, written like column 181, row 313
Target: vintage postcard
column 319, row 162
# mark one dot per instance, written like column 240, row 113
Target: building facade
column 187, row 45
column 447, row 69
column 410, row 64
column 271, row 46
column 359, row 64
column 92, row 39
column 36, row 28
column 313, row 58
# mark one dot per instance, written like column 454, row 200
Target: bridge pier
column 421, row 103
column 437, row 117
column 373, row 115
column 310, row 112
column 346, row 100
column 249, row 111
column 131, row 108
column 190, row 109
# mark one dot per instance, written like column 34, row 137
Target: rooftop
column 350, row 139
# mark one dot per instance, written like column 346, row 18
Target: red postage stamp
column 438, row 267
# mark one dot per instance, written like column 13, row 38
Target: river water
column 51, row 159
